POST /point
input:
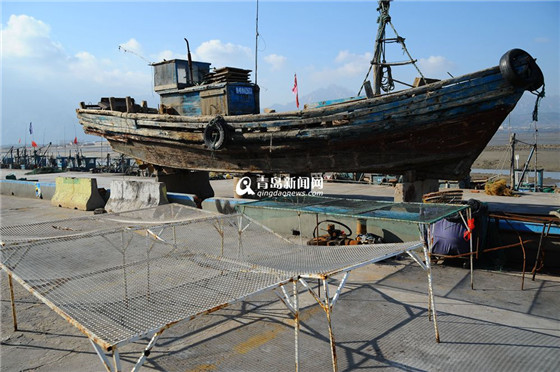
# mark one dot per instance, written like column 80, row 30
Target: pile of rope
column 498, row 187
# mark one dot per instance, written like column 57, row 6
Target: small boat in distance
column 211, row 121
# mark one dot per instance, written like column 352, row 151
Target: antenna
column 256, row 40
column 135, row 53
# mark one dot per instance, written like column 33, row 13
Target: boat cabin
column 195, row 90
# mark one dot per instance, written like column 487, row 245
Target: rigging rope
column 540, row 95
column 400, row 40
column 387, row 82
column 506, row 155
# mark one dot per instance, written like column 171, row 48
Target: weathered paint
column 242, row 99
column 436, row 130
column 333, row 102
column 183, row 103
column 175, row 74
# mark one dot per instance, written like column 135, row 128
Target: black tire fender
column 216, row 133
column 520, row 69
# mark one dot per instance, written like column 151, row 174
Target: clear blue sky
column 56, row 54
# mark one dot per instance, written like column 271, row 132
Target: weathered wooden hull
column 437, row 131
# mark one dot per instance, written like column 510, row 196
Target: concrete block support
column 412, row 191
column 77, row 193
column 129, row 195
column 188, row 182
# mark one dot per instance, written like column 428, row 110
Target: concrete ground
column 380, row 323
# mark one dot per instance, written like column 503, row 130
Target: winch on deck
column 192, row 90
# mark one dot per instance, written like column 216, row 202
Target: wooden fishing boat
column 212, row 122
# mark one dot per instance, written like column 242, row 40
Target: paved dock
column 380, row 321
column 527, row 202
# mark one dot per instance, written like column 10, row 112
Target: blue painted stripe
column 174, row 197
column 528, row 227
column 334, row 101
column 29, row 182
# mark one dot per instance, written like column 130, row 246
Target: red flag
column 19, row 140
column 75, row 140
column 33, row 143
column 295, row 90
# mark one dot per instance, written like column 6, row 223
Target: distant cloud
column 25, row 36
column 347, row 66
column 167, row 55
column 39, row 71
column 29, row 51
column 435, row 66
column 222, row 54
column 352, row 64
column 542, row 40
column 132, row 45
column 276, row 61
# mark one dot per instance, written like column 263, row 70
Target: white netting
column 123, row 283
column 168, row 213
column 241, row 238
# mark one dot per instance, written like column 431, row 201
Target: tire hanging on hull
column 217, row 134
column 529, row 77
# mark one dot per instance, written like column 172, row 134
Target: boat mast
column 382, row 78
column 384, row 17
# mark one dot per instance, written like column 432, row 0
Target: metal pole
column 257, row 42
column 512, row 164
column 12, row 300
column 117, row 360
column 239, row 231
column 431, row 303
column 296, row 323
column 299, row 227
column 102, row 356
column 537, row 258
column 525, row 167
column 469, row 216
column 328, row 311
column 147, row 351
column 535, row 187
column 524, row 262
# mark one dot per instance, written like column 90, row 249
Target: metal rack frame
column 232, row 249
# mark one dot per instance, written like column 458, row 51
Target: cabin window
column 182, row 74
